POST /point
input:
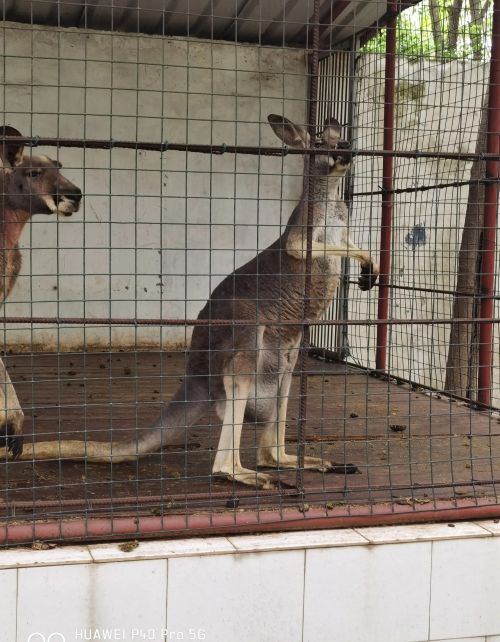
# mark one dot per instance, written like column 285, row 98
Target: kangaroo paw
column 368, row 276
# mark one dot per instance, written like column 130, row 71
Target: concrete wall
column 157, row 232
column 438, row 110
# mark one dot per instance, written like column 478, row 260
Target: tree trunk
column 454, row 11
column 461, row 365
column 476, row 27
column 437, row 31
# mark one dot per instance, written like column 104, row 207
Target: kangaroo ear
column 292, row 135
column 11, row 152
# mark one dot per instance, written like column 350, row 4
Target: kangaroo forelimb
column 319, row 250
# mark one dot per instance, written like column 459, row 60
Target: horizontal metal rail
column 223, row 148
column 424, row 188
column 416, row 288
column 235, row 322
column 175, row 500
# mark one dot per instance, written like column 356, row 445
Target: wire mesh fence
column 295, row 148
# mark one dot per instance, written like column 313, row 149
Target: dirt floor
column 408, row 446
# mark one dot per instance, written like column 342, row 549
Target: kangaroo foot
column 249, row 478
column 267, row 459
column 12, row 441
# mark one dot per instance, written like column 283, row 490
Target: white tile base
column 465, row 588
column 8, row 596
column 481, row 639
column 426, row 583
column 380, row 594
column 74, row 600
column 237, row 598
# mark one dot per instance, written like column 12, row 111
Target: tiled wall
column 395, row 584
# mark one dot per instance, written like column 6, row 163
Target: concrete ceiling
column 268, row 22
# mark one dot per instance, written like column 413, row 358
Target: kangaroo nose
column 75, row 195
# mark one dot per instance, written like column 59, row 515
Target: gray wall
column 157, row 232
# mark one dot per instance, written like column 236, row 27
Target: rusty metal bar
column 414, row 288
column 309, row 184
column 230, row 322
column 425, row 188
column 222, row 148
column 387, row 187
column 105, row 528
column 488, row 249
column 146, row 502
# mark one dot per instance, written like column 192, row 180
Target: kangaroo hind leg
column 11, row 416
column 227, row 459
column 271, row 451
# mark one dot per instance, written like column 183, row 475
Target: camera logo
column 40, row 637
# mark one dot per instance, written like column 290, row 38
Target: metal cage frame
column 297, row 514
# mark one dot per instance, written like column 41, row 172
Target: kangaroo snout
column 69, row 201
column 341, row 160
column 74, row 195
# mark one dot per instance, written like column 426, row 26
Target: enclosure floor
column 444, row 450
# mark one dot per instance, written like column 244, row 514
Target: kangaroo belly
column 262, row 398
column 324, row 283
column 273, row 362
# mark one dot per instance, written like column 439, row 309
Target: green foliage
column 416, row 35
column 412, row 40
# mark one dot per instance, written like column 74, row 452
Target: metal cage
column 158, row 113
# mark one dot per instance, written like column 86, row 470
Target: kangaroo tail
column 168, row 429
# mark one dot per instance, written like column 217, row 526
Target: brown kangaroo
column 245, row 370
column 29, row 185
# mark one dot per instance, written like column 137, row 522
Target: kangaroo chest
column 330, row 229
column 11, row 229
column 331, row 223
column 10, row 257
column 10, row 266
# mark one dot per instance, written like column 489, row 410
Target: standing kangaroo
column 28, row 185
column 246, row 369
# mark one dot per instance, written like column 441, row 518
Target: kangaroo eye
column 33, row 173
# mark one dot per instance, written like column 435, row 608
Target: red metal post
column 488, row 249
column 387, row 186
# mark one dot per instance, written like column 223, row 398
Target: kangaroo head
column 34, row 184
column 328, row 139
